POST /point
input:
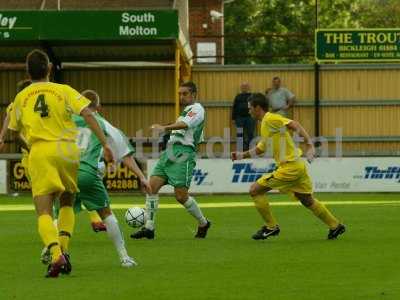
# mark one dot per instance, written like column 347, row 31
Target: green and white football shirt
column 193, row 115
column 90, row 146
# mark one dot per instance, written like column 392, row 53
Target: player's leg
column 115, row 234
column 94, row 197
column 66, row 159
column 96, row 222
column 302, row 190
column 66, row 220
column 158, row 179
column 148, row 230
column 77, row 206
column 156, row 183
column 322, row 212
column 45, row 256
column 182, row 196
column 258, row 192
column 180, row 173
column 46, row 185
column 66, row 224
column 47, row 230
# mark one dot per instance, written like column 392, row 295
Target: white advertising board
column 209, row 50
column 366, row 174
column 3, row 177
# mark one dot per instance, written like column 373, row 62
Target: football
column 135, row 217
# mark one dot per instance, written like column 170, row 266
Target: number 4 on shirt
column 41, row 106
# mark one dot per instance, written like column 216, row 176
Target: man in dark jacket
column 245, row 124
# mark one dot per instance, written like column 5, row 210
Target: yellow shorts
column 289, row 177
column 53, row 167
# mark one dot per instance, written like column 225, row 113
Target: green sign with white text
column 88, row 25
column 357, row 45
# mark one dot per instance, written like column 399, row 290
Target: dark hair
column 23, row 84
column 93, row 97
column 37, row 64
column 276, row 78
column 191, row 86
column 258, row 99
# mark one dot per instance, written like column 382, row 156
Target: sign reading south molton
column 357, row 45
column 99, row 25
column 138, row 24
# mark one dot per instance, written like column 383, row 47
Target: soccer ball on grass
column 135, row 217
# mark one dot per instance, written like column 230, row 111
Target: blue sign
column 199, row 176
column 373, row 172
column 245, row 172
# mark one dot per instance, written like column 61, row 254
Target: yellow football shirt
column 43, row 112
column 275, row 133
column 9, row 108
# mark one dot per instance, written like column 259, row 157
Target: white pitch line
column 29, row 207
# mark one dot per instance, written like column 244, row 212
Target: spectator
column 280, row 98
column 245, row 124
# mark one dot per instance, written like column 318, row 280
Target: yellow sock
column 320, row 210
column 66, row 223
column 48, row 233
column 263, row 208
column 94, row 217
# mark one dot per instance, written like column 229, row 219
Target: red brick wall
column 199, row 14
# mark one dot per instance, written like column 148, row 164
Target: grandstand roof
column 93, row 35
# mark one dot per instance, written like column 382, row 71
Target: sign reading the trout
column 357, row 45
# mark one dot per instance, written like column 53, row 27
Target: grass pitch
column 299, row 264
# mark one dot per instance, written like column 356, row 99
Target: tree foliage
column 282, row 31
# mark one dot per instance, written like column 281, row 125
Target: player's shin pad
column 323, row 213
column 262, row 205
column 151, row 209
column 66, row 223
column 48, row 233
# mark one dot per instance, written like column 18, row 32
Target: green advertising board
column 25, row 26
column 357, row 45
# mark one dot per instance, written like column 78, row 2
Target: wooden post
column 177, row 80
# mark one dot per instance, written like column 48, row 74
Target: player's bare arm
column 87, row 114
column 310, row 151
column 132, row 165
column 17, row 137
column 174, row 126
column 4, row 130
column 246, row 154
